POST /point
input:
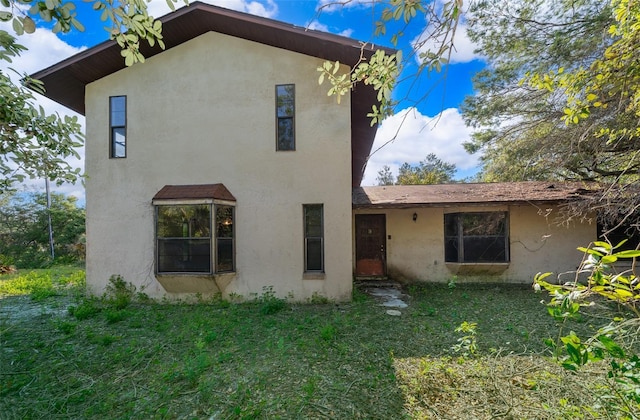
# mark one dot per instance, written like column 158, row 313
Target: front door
column 371, row 254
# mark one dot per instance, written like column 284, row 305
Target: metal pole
column 46, row 184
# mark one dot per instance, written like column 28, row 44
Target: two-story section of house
column 220, row 165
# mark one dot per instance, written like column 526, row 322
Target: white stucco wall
column 415, row 250
column 203, row 113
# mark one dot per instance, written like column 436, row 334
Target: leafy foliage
column 614, row 342
column 32, row 142
column 518, row 126
column 559, row 99
column 383, row 68
column 467, row 344
column 432, row 170
column 24, row 235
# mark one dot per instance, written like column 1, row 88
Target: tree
column 24, row 235
column 382, row 69
column 559, row 99
column 385, row 176
column 33, row 143
column 518, row 126
column 431, row 170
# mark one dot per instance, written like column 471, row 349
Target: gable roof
column 65, row 81
column 202, row 191
column 407, row 196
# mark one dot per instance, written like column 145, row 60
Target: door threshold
column 371, row 278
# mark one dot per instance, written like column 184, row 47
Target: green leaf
column 574, row 354
column 612, row 347
column 628, row 254
column 17, row 26
column 601, row 244
column 29, row 25
column 590, row 251
column 76, row 24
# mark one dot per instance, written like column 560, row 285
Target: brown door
column 371, row 245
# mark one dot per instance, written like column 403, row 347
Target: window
column 118, row 126
column 615, row 233
column 184, row 238
column 224, row 238
column 285, row 111
column 476, row 237
column 313, row 237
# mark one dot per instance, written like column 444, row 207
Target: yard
column 63, row 356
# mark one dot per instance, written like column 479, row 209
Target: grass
column 271, row 359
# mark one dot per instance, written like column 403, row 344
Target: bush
column 119, row 293
column 615, row 342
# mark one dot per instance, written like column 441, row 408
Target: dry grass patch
column 511, row 387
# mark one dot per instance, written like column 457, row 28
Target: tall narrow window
column 285, row 113
column 313, row 237
column 118, row 126
column 224, row 238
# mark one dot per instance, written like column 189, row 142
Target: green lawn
column 66, row 357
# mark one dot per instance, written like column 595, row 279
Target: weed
column 28, row 283
column 328, row 332
column 88, row 308
column 235, row 297
column 118, row 292
column 451, row 284
column 467, row 344
column 66, row 327
column 318, row 299
column 42, row 292
column 269, row 302
column 116, row 315
column 309, row 387
column 358, row 296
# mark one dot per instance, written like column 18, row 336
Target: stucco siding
column 415, row 249
column 204, row 112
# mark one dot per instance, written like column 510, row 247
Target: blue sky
column 432, row 126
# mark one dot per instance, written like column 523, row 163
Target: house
column 221, row 166
column 491, row 232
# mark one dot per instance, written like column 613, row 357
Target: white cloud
column 267, row 8
column 317, row 26
column 44, row 50
column 463, row 48
column 416, row 136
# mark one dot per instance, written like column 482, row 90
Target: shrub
column 614, row 342
column 119, row 293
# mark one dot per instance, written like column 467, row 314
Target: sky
column 418, row 127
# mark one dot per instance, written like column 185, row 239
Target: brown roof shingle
column 203, row 191
column 404, row 196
